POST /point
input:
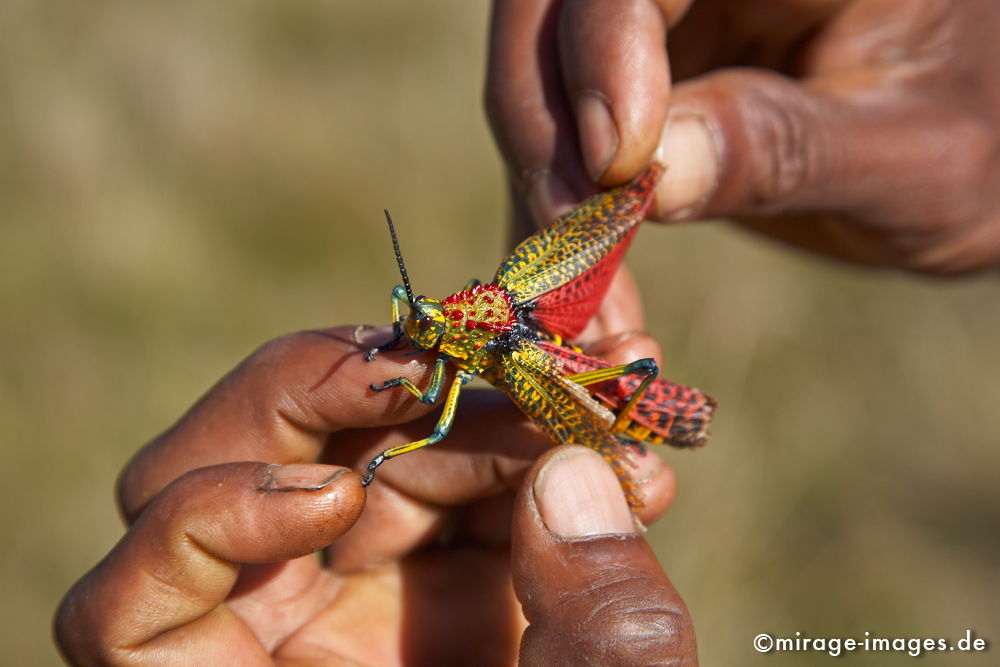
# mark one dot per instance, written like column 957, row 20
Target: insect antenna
column 399, row 257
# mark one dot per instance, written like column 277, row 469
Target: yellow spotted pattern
column 565, row 411
column 577, row 241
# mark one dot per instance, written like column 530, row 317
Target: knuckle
column 629, row 606
column 623, row 615
column 776, row 145
column 784, row 146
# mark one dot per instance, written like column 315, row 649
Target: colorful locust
column 512, row 332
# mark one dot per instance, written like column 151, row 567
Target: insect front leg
column 440, row 430
column 643, row 367
column 430, row 396
column 398, row 296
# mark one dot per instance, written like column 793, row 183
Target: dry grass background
column 180, row 182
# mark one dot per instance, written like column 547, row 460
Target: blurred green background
column 180, row 182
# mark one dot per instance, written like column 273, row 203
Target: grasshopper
column 513, row 332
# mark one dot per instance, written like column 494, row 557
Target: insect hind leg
column 642, row 367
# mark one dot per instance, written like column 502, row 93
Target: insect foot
column 376, row 462
column 382, row 387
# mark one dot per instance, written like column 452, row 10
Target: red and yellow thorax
column 473, row 318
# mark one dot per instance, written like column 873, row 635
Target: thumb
column 751, row 142
column 589, row 584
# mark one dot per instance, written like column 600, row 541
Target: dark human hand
column 462, row 554
column 867, row 130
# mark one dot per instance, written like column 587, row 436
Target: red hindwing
column 678, row 414
column 562, row 272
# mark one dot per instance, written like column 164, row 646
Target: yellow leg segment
column 440, row 430
column 646, row 367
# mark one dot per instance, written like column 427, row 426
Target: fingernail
column 367, row 336
column 299, row 477
column 578, row 496
column 598, row 132
column 547, row 195
column 689, row 146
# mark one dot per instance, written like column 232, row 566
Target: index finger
column 614, row 62
column 577, row 92
column 279, row 405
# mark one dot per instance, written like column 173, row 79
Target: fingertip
column 639, row 126
column 329, row 499
column 239, row 513
column 578, row 496
column 690, row 147
column 616, row 74
column 656, row 486
column 257, row 512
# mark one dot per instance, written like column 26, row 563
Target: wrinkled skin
column 432, row 564
column 862, row 129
